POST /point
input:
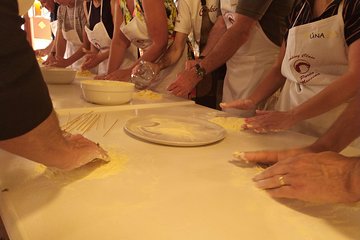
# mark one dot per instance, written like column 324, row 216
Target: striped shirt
column 66, row 18
column 351, row 16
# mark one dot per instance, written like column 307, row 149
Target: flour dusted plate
column 175, row 130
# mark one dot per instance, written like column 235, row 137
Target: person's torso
column 105, row 17
column 195, row 11
column 73, row 18
column 134, row 25
column 271, row 15
column 316, row 52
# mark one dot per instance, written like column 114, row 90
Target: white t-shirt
column 189, row 15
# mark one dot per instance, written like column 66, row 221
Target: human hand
column 325, row 177
column 270, row 121
column 60, row 62
column 184, row 83
column 120, row 75
column 244, row 104
column 41, row 52
column 91, row 60
column 82, row 151
column 49, row 60
column 153, row 66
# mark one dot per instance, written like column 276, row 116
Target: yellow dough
column 148, row 94
column 229, row 123
column 93, row 170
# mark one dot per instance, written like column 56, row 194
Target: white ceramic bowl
column 107, row 92
column 58, row 75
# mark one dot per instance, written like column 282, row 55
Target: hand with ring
column 325, row 177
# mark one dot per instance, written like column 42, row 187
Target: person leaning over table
column 70, row 40
column 189, row 20
column 318, row 69
column 149, row 25
column 315, row 173
column 99, row 31
column 52, row 7
column 28, row 125
column 249, row 43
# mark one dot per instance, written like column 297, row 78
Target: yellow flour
column 148, row 95
column 229, row 123
column 93, row 170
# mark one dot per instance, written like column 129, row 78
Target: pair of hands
column 263, row 121
column 325, row 177
column 53, row 61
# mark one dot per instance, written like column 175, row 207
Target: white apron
column 73, row 43
column 247, row 67
column 53, row 26
column 136, row 32
column 100, row 38
column 316, row 55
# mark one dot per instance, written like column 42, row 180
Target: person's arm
column 271, row 82
column 216, row 32
column 47, row 145
column 30, row 127
column 119, row 42
column 229, row 43
column 174, row 52
column 341, row 133
column 156, row 23
column 329, row 98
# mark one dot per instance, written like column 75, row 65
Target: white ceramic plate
column 175, row 130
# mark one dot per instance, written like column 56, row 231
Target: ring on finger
column 281, row 180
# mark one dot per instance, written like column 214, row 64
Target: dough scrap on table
column 93, row 170
column 84, row 73
column 148, row 94
column 229, row 123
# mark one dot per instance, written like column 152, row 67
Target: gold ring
column 282, row 180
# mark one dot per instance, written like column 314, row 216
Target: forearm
column 116, row 56
column 43, row 144
column 273, row 81
column 355, row 180
column 76, row 56
column 174, row 52
column 215, row 34
column 344, row 130
column 329, row 98
column 154, row 52
column 228, row 44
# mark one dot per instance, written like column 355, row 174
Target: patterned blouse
column 139, row 12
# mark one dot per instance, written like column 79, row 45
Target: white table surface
column 166, row 193
column 68, row 98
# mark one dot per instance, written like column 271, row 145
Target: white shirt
column 189, row 16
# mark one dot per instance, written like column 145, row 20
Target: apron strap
column 75, row 15
column 297, row 17
column 101, row 10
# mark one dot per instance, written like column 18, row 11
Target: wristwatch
column 200, row 71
